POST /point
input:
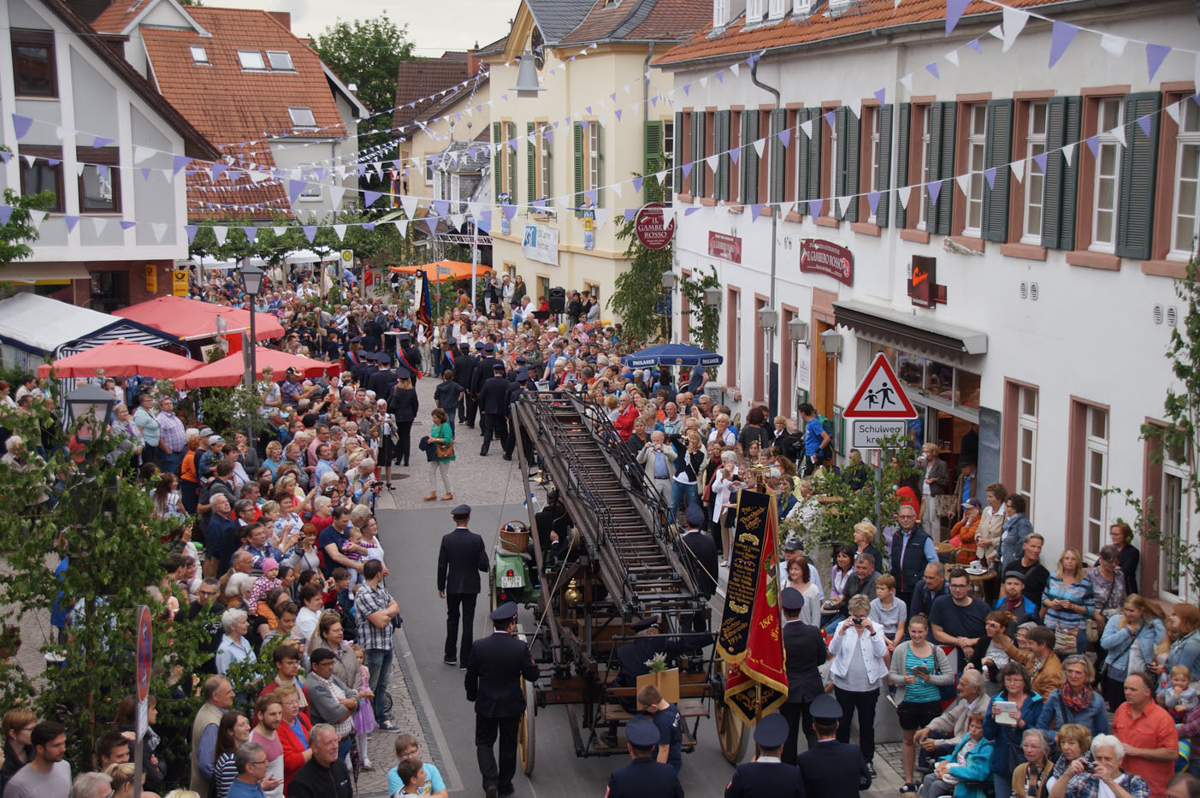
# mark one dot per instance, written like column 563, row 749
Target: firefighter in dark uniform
column 495, row 667
column 464, row 370
column 365, row 369
column 553, row 525
column 644, row 777
column 805, row 651
column 767, row 776
column 518, row 386
column 483, row 371
column 382, row 381
column 461, row 558
column 700, row 551
column 493, row 401
column 409, row 355
column 832, row 769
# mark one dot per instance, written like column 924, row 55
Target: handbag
column 1066, row 641
column 444, row 451
column 946, row 505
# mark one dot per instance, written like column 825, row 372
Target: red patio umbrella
column 191, row 319
column 228, row 371
column 120, row 358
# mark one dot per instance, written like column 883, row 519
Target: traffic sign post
column 867, row 434
column 145, row 655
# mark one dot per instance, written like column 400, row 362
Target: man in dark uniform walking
column 495, row 666
column 464, row 370
column 461, row 558
column 767, row 776
column 518, row 386
column 805, row 652
column 832, row 769
column 483, row 372
column 382, row 381
column 493, row 401
column 644, row 777
column 409, row 354
column 701, row 554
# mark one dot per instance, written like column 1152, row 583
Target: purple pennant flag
column 101, row 141
column 687, row 89
column 629, row 214
column 294, row 189
column 1144, row 124
column 721, row 75
column 71, row 222
column 873, row 201
column 687, row 169
column 591, row 195
column 1093, row 144
column 5, row 214
column 932, row 69
column 218, row 169
column 102, row 170
column 179, row 162
column 830, row 117
column 735, row 153
column 368, row 227
column 954, row 10
column 690, row 211
column 21, row 125
column 935, row 188
column 618, row 113
column 251, row 233
column 145, row 174
column 1061, row 36
column 4, row 156
column 53, row 161
column 431, row 223
column 613, row 96
column 785, row 136
column 637, row 184
column 588, row 108
column 755, row 211
column 127, row 225
column 814, row 207
column 485, row 220
column 442, row 207
column 370, row 197
column 190, row 229
column 654, row 101
column 974, row 45
column 1040, row 160
column 990, row 175
column 881, row 95
column 310, row 232
column 549, row 134
column 1155, row 54
column 509, row 211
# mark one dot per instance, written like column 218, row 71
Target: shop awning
column 44, row 273
column 921, row 334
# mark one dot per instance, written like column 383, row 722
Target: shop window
column 939, row 381
column 911, row 371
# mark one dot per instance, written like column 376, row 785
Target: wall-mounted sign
column 725, row 247
column 151, row 278
column 923, row 288
column 826, row 257
column 179, row 282
column 541, row 243
column 651, row 226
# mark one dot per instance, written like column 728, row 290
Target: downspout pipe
column 773, row 380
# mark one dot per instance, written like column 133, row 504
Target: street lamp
column 91, row 407
column 669, row 280
column 527, row 82
column 252, row 282
column 712, row 297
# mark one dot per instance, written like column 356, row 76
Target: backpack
column 827, row 426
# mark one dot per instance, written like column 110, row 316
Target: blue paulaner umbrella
column 671, row 355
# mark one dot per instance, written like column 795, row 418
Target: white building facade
column 1028, row 309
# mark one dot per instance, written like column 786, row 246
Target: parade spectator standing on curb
column 461, row 558
column 218, row 697
column 912, row 549
column 858, row 648
column 378, row 617
column 1148, row 734
column 959, row 619
column 252, row 780
column 268, row 712
column 1105, row 775
column 324, row 775
column 333, row 703
column 495, row 666
column 48, row 774
column 816, row 439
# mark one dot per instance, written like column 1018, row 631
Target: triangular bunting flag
column 815, row 206
column 127, row 225
column 1155, row 55
column 616, row 187
column 689, row 211
column 179, row 162
column 907, row 82
column 431, row 223
column 71, row 222
column 295, row 187
column 251, row 233
column 222, row 233
column 952, row 57
column 1119, row 133
column 712, row 162
column 1061, row 36
column 1144, row 124
column 756, row 211
column 101, row 141
column 932, row 69
column 734, row 68
column 974, row 45
column 759, row 144
column 37, row 217
column 142, row 153
column 735, row 154
column 903, row 195
column 1014, row 23
column 190, row 229
column 1068, row 152
column 159, row 229
column 855, row 107
column 402, row 227
column 935, row 189
column 370, row 197
column 1018, row 170
column 21, row 125
column 409, row 204
column 806, row 128
column 785, row 136
column 310, row 232
column 279, row 230
column 964, row 184
column 145, row 173
column 954, row 10
column 830, row 119
column 637, row 185
column 1113, row 45
column 100, row 225
column 1041, row 160
column 340, row 229
column 686, row 169
column 629, row 214
column 1173, row 111
column 881, row 95
column 1093, row 144
column 873, row 201
column 990, row 176
column 602, row 215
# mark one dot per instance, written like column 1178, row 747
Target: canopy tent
column 191, row 319
column 229, row 370
column 443, row 269
column 120, row 358
column 209, row 263
column 34, row 327
column 671, row 355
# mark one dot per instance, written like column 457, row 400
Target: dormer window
column 803, row 7
column 756, row 11
column 199, row 54
column 720, row 13
column 302, row 117
column 280, row 61
column 252, row 60
column 778, row 9
column 838, row 7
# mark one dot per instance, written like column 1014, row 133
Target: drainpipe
column 773, row 380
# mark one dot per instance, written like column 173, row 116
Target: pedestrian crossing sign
column 880, row 395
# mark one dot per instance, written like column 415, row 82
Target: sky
column 432, row 33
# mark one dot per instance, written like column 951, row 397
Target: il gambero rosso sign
column 825, row 257
column 651, row 226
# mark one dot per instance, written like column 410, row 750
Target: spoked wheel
column 526, row 737
column 730, row 733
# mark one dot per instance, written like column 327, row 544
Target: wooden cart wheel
column 526, row 732
column 730, row 732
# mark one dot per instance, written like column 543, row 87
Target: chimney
column 473, row 62
column 284, row 18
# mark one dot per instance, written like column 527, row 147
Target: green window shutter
column 997, row 152
column 699, row 152
column 942, row 124
column 497, row 171
column 1073, row 124
column 775, row 189
column 512, row 162
column 599, row 164
column 883, row 178
column 677, row 153
column 802, row 145
column 903, row 126
column 849, row 129
column 814, row 154
column 531, row 162
column 721, row 138
column 577, row 135
column 749, row 159
column 652, row 160
column 1139, row 162
column 1061, row 182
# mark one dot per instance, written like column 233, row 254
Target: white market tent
column 34, row 327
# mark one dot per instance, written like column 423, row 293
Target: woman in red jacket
column 627, row 413
column 293, row 734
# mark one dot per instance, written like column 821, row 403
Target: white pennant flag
column 258, row 177
column 602, row 216
column 1068, row 152
column 160, row 230
column 36, row 218
column 29, row 159
column 79, row 167
column 902, row 196
column 1018, row 170
column 221, row 233
column 402, row 226
column 712, row 162
column 758, row 146
column 660, row 176
column 457, row 220
column 279, row 230
column 735, row 69
column 997, row 32
column 1014, row 23
column 617, row 188
column 340, row 229
column 1114, row 45
column 99, row 224
column 907, row 83
column 839, row 203
column 1119, row 133
column 855, row 107
column 704, row 82
column 952, row 57
column 1173, row 112
column 62, row 131
column 964, row 184
column 141, row 153
column 409, row 204
column 336, row 193
column 807, row 128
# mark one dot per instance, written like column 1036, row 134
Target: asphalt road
column 411, row 539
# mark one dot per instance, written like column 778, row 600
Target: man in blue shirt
column 668, row 722
column 816, row 439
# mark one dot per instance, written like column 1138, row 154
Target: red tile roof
column 118, row 15
column 641, row 20
column 861, row 17
column 235, row 195
column 417, row 80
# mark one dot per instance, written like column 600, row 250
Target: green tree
column 705, row 319
column 18, row 233
column 638, row 297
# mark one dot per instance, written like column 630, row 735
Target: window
column 720, row 13
column 1027, row 429
column 280, row 60
column 756, row 11
column 312, row 187
column 1186, row 210
column 593, row 157
column 100, row 180
column 1035, row 182
column 877, row 142
column 1107, row 176
column 302, row 117
column 1173, row 525
column 34, row 73
column 44, row 174
column 668, row 143
column 923, row 170
column 976, row 142
column 1095, row 467
column 430, row 163
column 733, row 335
column 829, row 171
column 544, row 166
column 778, row 9
column 199, row 54
column 251, row 59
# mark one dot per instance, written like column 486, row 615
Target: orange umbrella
column 120, row 358
column 457, row 270
column 191, row 319
column 228, row 371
